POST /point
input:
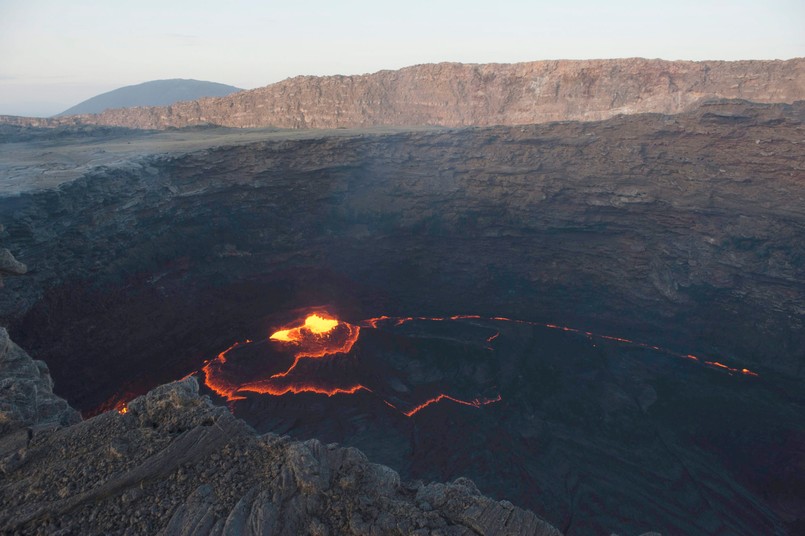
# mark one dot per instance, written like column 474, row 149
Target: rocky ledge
column 8, row 264
column 175, row 464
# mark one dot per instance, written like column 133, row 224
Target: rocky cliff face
column 26, row 393
column 453, row 94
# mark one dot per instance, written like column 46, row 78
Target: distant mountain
column 154, row 93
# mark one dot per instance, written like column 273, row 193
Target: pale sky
column 56, row 53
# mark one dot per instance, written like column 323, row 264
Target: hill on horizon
column 153, row 93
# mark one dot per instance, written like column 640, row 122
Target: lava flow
column 477, row 403
column 306, row 354
column 217, row 381
column 319, row 336
column 400, row 320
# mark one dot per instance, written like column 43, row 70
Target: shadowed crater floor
column 601, row 322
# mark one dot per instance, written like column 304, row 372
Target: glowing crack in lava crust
column 320, row 338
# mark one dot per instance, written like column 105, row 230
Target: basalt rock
column 454, row 94
column 26, row 392
column 8, row 264
column 174, row 464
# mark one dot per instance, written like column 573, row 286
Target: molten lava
column 314, row 325
column 477, row 403
column 318, row 336
column 722, row 366
column 400, row 320
column 118, row 402
column 321, row 337
column 217, row 381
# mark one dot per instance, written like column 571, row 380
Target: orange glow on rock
column 117, row 403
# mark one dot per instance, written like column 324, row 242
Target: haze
column 55, row 54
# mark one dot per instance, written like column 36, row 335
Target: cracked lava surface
column 321, row 339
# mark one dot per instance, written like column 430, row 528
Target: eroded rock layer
column 454, row 94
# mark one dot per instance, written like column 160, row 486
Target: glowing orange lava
column 215, row 381
column 117, row 403
column 266, row 388
column 477, row 403
column 397, row 321
column 319, row 335
column 731, row 370
column 314, row 324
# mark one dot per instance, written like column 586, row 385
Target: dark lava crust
column 686, row 232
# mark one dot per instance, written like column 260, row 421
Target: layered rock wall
column 455, row 94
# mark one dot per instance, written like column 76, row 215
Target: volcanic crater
column 587, row 319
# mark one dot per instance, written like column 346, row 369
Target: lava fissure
column 476, row 403
column 398, row 321
column 320, row 335
column 265, row 388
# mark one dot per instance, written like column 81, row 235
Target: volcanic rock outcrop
column 454, row 94
column 172, row 463
column 9, row 265
column 26, row 392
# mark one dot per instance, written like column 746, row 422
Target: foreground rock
column 26, row 393
column 8, row 264
column 175, row 464
column 455, row 94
